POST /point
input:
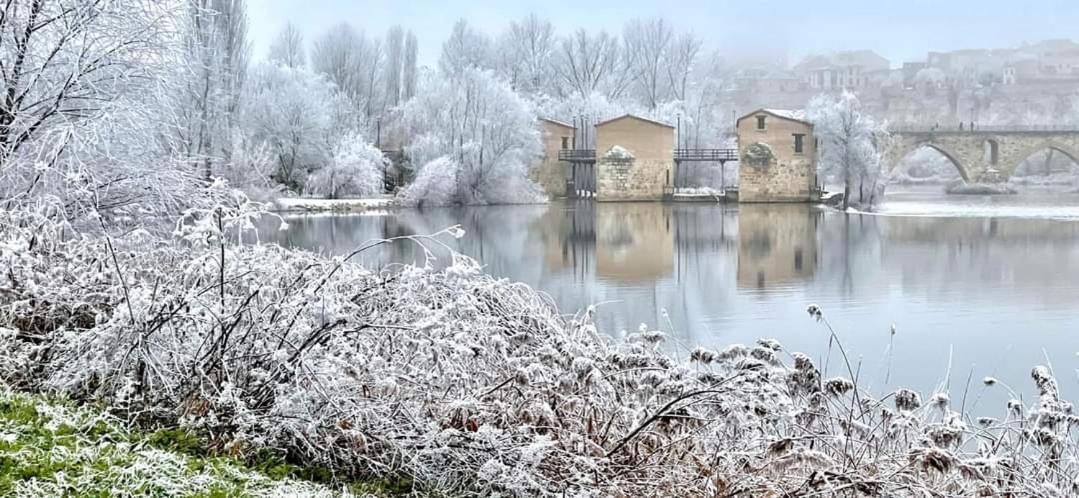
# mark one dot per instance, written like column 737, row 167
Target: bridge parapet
column 984, row 129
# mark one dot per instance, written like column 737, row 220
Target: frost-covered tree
column 852, row 146
column 465, row 49
column 215, row 37
column 355, row 170
column 287, row 47
column 61, row 61
column 662, row 60
column 353, row 62
column 395, row 49
column 524, row 55
column 480, row 124
column 409, row 67
column 295, row 112
column 87, row 102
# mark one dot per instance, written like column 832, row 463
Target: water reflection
column 777, row 245
column 989, row 296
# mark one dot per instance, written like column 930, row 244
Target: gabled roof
column 557, row 122
column 634, row 116
column 789, row 115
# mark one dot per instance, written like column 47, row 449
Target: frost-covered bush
column 355, row 170
column 472, row 384
column 435, row 185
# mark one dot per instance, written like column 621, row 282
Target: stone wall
column 790, row 176
column 642, row 177
column 548, row 172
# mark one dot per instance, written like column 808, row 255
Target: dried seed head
column 838, row 386
column 989, row 381
column 940, row 400
column 907, row 400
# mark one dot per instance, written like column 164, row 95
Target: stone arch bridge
column 983, row 150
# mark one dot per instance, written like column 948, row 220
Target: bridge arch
column 906, row 151
column 1018, row 158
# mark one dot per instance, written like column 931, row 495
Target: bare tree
column 648, row 44
column 352, row 62
column 408, row 71
column 287, row 48
column 680, row 62
column 525, row 53
column 395, row 40
column 466, row 48
column 591, row 63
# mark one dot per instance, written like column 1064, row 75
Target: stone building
column 634, row 159
column 548, row 172
column 777, row 154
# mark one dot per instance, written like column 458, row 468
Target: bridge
column 978, row 152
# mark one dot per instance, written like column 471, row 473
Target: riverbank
column 467, row 384
column 315, row 205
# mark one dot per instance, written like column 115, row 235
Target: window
column 760, row 122
column 565, row 143
column 799, row 143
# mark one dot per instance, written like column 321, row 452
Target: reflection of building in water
column 776, row 245
column 569, row 242
column 633, row 241
column 701, row 232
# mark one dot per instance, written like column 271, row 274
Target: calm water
column 964, row 285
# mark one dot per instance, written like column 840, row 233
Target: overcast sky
column 900, row 30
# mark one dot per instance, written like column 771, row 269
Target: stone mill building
column 634, row 159
column 777, row 152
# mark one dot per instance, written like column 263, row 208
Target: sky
column 900, row 30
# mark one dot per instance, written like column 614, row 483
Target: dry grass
column 473, row 385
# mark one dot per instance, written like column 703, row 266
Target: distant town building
column 777, row 152
column 1043, row 62
column 856, row 69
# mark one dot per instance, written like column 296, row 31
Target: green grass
column 50, row 447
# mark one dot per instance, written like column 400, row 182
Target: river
column 975, row 286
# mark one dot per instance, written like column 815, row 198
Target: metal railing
column 712, row 155
column 577, row 155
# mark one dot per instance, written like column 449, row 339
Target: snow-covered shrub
column 355, row 170
column 618, row 153
column 435, row 185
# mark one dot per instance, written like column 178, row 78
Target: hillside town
column 1027, row 85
